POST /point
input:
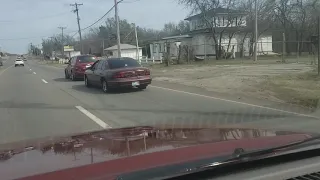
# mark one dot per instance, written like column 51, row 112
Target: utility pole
column 137, row 43
column 255, row 30
column 103, row 47
column 62, row 39
column 76, row 5
column 118, row 27
column 318, row 45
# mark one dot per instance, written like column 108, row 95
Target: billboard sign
column 68, row 48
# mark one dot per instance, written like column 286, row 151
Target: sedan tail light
column 119, row 75
column 147, row 72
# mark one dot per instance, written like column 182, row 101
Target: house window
column 193, row 24
column 224, row 23
column 215, row 21
column 221, row 21
column 242, row 21
column 234, row 22
column 154, row 48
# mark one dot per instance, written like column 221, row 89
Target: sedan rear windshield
column 123, row 63
column 87, row 59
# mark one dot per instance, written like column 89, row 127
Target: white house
column 235, row 30
column 127, row 50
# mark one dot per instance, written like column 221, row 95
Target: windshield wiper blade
column 240, row 155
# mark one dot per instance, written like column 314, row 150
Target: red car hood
column 116, row 151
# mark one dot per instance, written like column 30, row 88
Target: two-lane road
column 37, row 101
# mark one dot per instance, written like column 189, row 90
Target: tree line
column 295, row 18
column 105, row 36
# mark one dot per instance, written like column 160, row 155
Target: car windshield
column 87, row 59
column 78, row 66
column 122, row 63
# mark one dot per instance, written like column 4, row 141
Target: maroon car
column 77, row 66
column 116, row 73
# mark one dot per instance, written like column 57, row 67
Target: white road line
column 44, row 81
column 1, row 72
column 236, row 102
column 34, row 73
column 93, row 117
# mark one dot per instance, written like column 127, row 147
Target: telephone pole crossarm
column 76, row 5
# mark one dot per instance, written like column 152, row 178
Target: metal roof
column 122, row 46
column 217, row 11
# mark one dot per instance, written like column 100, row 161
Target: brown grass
column 301, row 89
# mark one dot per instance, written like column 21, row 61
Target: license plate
column 135, row 83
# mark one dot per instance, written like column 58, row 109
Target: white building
column 127, row 50
column 231, row 23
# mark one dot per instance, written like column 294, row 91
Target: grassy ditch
column 301, row 89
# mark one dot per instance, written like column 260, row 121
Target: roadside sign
column 68, row 48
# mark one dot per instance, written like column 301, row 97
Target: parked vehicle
column 116, row 73
column 18, row 62
column 77, row 66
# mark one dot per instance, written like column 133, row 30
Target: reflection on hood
column 132, row 141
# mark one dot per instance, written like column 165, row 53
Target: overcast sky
column 27, row 21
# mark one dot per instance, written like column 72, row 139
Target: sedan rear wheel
column 72, row 77
column 86, row 81
column 66, row 75
column 105, row 88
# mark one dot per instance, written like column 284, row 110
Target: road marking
column 34, row 73
column 30, row 69
column 236, row 102
column 5, row 70
column 44, row 81
column 93, row 117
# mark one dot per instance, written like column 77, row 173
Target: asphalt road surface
column 37, row 101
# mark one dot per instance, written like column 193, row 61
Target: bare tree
column 265, row 20
column 210, row 13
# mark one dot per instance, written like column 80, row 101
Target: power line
column 98, row 19
column 131, row 1
column 102, row 16
column 75, row 32
column 33, row 19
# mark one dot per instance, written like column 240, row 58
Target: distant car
column 18, row 62
column 77, row 66
column 24, row 58
column 117, row 73
column 1, row 62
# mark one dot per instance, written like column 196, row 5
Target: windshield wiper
column 240, row 155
